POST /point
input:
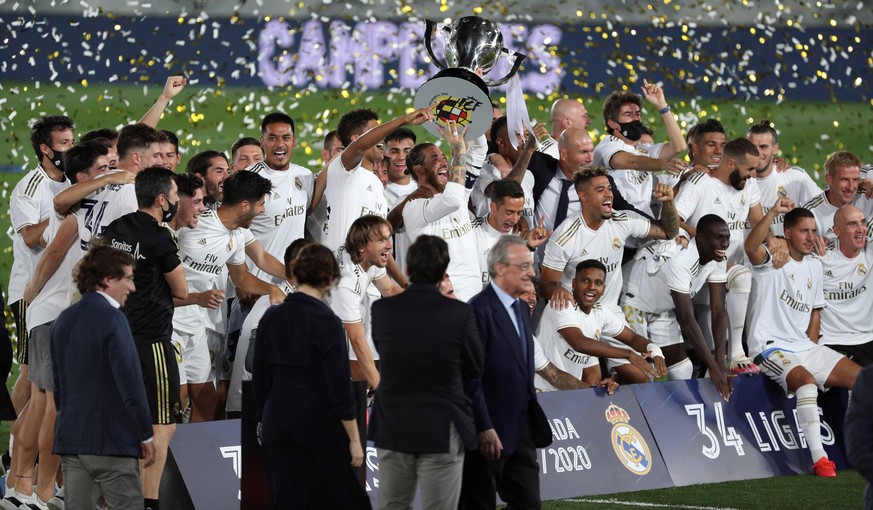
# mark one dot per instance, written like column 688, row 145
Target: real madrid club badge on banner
column 458, row 93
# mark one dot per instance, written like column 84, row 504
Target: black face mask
column 170, row 213
column 633, row 131
column 58, row 159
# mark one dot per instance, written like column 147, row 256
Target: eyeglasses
column 527, row 266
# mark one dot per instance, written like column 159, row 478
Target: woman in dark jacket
column 302, row 384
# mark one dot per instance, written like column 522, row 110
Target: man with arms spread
column 786, row 321
column 103, row 425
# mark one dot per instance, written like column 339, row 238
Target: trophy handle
column 519, row 58
column 428, row 32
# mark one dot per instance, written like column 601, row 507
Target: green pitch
column 213, row 118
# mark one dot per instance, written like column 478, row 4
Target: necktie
column 563, row 203
column 519, row 308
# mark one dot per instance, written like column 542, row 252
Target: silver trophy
column 458, row 93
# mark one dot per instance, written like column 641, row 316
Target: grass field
column 790, row 493
column 214, row 118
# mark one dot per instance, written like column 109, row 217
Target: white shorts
column 195, row 366
column 661, row 328
column 819, row 361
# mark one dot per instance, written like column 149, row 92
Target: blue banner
column 704, row 439
column 601, row 444
column 576, row 59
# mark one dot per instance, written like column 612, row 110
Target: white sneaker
column 57, row 502
column 33, row 503
column 12, row 500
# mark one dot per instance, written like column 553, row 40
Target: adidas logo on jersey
column 717, row 201
column 829, row 273
column 202, row 242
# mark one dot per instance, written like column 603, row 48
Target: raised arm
column 668, row 226
column 174, row 85
column 354, row 153
column 761, row 232
column 655, row 95
column 68, row 198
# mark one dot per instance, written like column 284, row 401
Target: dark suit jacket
column 502, row 395
column 859, row 431
column 543, row 167
column 428, row 346
column 100, row 395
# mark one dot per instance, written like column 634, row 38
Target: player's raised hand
column 174, row 85
column 663, row 192
column 654, row 94
column 454, row 134
column 539, row 234
column 782, row 205
column 420, row 116
column 674, row 166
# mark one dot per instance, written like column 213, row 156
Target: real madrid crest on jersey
column 743, row 200
column 616, row 243
column 780, row 191
column 630, row 447
column 809, row 283
column 597, row 334
column 298, row 183
column 862, row 269
column 229, row 246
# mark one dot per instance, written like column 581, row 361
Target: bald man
column 845, row 321
column 565, row 114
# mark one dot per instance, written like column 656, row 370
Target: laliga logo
column 630, row 447
column 456, row 109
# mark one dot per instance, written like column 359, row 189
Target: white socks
column 809, row 421
column 739, row 284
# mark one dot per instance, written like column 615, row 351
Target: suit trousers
column 515, row 477
column 85, row 476
column 438, row 475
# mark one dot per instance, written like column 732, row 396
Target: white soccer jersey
column 445, row 215
column 248, row 330
column 783, row 302
column 482, row 204
column 573, row 241
column 682, row 272
column 701, row 194
column 31, row 203
column 350, row 300
column 395, row 193
column 486, row 237
column 824, row 212
column 102, row 207
column 350, row 194
column 284, row 217
column 204, row 252
column 57, row 293
column 594, row 325
column 550, row 146
column 846, row 318
column 793, row 183
column 635, row 186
